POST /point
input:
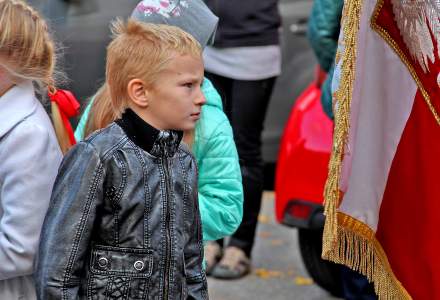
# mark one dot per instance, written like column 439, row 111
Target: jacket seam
column 110, row 152
column 127, row 290
column 106, row 151
column 147, row 200
column 90, row 198
column 108, row 286
column 185, row 190
column 118, row 197
column 90, row 279
column 184, row 150
column 172, row 206
column 163, row 225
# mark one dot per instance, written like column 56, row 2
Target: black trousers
column 356, row 286
column 245, row 103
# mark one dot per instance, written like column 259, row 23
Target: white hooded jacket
column 29, row 160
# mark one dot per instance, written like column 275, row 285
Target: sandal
column 234, row 264
column 213, row 253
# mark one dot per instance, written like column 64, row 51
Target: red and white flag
column 383, row 191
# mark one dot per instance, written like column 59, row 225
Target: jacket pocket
column 119, row 273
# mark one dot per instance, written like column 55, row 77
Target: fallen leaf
column 277, row 242
column 267, row 274
column 264, row 234
column 264, row 219
column 299, row 280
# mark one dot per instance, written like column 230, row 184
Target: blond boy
column 124, row 221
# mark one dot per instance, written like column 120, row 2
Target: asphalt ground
column 278, row 272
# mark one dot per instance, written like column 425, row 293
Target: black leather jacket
column 123, row 222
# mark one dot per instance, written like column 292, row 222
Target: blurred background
column 81, row 27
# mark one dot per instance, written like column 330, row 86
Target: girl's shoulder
column 20, row 107
column 212, row 131
column 213, row 117
column 213, row 122
column 33, row 137
column 36, row 125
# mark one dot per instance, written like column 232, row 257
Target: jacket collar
column 156, row 142
column 16, row 105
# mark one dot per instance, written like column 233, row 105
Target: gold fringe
column 350, row 27
column 346, row 240
column 358, row 248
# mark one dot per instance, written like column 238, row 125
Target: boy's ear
column 138, row 93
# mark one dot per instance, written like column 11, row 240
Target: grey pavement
column 278, row 272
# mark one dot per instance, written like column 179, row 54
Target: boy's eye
column 189, row 84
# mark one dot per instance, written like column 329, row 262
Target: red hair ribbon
column 68, row 106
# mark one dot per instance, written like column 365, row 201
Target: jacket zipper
column 167, row 227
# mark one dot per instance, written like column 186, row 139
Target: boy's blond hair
column 142, row 51
column 27, row 52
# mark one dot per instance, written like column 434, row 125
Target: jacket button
column 139, row 265
column 103, row 262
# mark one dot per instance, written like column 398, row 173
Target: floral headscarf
column 192, row 16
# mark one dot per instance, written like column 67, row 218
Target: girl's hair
column 27, row 52
column 101, row 113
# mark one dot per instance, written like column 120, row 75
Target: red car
column 300, row 178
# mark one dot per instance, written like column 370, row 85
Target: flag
column 382, row 196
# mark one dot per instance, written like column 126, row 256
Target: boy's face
column 175, row 99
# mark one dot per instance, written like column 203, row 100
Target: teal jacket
column 323, row 33
column 220, row 187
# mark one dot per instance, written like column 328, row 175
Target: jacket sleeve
column 220, row 184
column 193, row 253
column 326, row 95
column 68, row 226
column 81, row 127
column 323, row 32
column 29, row 162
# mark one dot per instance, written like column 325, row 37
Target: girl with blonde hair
column 29, row 151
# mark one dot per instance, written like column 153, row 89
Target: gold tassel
column 346, row 240
column 358, row 248
column 350, row 27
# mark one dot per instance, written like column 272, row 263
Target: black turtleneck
column 146, row 136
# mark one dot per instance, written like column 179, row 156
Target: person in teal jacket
column 220, row 184
column 323, row 33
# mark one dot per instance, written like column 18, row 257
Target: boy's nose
column 200, row 100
